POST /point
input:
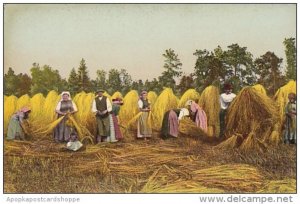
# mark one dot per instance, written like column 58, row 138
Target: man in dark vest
column 102, row 107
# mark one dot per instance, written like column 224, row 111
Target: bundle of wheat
column 130, row 107
column 117, row 94
column 165, row 101
column 190, row 94
column 281, row 97
column 36, row 104
column 275, row 137
column 89, row 119
column 188, row 128
column 210, row 102
column 9, row 109
column 249, row 108
column 260, row 89
column 230, row 143
column 253, row 143
column 23, row 101
column 152, row 96
column 82, row 105
column 231, row 177
column 182, row 186
column 48, row 114
column 279, row 186
column 46, row 130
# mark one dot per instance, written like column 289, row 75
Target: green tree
column 101, row 81
column 114, row 81
column 153, row 85
column 186, row 82
column 239, row 66
column 17, row 85
column 24, row 84
column 290, row 53
column 126, row 81
column 73, row 79
column 172, row 68
column 83, row 78
column 209, row 68
column 45, row 79
column 10, row 82
column 268, row 70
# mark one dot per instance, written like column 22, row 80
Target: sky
column 134, row 36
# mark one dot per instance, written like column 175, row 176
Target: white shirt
column 183, row 112
column 59, row 104
column 140, row 104
column 108, row 104
column 226, row 99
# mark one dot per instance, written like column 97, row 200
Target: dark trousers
column 222, row 116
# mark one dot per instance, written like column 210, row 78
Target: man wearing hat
column 102, row 107
column 225, row 100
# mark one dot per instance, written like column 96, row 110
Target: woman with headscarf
column 144, row 128
column 290, row 120
column 15, row 127
column 115, row 132
column 64, row 107
column 198, row 115
column 170, row 123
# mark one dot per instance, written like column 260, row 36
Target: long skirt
column 112, row 135
column 118, row 132
column 201, row 120
column 144, row 129
column 170, row 127
column 15, row 130
column 290, row 133
column 62, row 131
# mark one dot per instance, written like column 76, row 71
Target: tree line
column 234, row 65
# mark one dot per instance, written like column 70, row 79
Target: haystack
column 23, row 101
column 117, row 94
column 281, row 97
column 190, row 94
column 251, row 115
column 9, row 109
column 48, row 114
column 260, row 89
column 165, row 101
column 36, row 104
column 210, row 102
column 130, row 107
column 152, row 96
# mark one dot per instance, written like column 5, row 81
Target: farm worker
column 115, row 132
column 16, row 128
column 197, row 115
column 74, row 144
column 102, row 107
column 225, row 100
column 64, row 107
column 290, row 120
column 144, row 128
column 170, row 123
